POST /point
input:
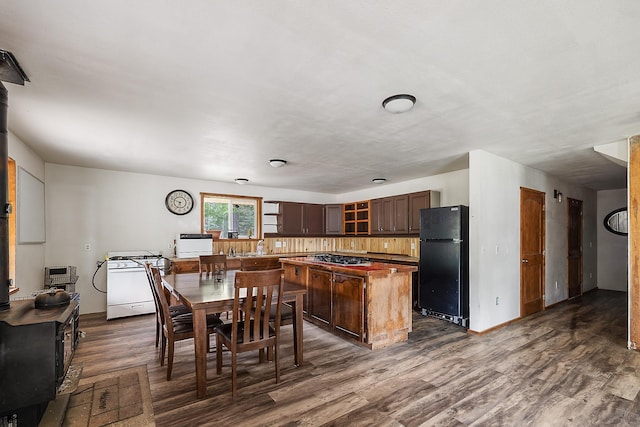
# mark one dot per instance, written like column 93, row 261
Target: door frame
column 581, row 254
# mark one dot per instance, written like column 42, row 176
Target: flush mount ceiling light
column 10, row 70
column 378, row 180
column 241, row 181
column 399, row 103
column 276, row 163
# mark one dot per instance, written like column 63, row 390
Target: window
column 235, row 216
column 617, row 222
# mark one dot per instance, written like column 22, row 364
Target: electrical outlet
column 87, row 247
column 413, row 245
column 278, row 244
column 386, row 245
column 284, row 244
column 170, row 246
column 353, row 244
column 497, row 300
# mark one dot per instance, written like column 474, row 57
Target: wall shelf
column 356, row 218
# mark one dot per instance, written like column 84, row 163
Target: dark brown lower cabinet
column 337, row 300
column 348, row 305
column 320, row 284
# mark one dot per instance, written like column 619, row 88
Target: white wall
column 29, row 257
column 117, row 211
column 120, row 211
column 453, row 188
column 494, row 265
column 612, row 248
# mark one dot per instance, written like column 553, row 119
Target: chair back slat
column 255, row 291
column 212, row 264
column 163, row 300
column 154, row 290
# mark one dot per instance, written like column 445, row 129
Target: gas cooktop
column 341, row 259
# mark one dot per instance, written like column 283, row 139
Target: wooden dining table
column 204, row 294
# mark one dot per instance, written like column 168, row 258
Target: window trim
column 11, row 175
column 258, row 200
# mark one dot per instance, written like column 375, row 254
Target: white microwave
column 193, row 245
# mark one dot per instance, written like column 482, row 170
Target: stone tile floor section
column 108, row 401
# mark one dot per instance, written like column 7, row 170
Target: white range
column 128, row 290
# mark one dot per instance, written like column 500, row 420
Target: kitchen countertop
column 369, row 269
column 239, row 257
column 375, row 256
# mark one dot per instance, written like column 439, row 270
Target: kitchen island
column 368, row 301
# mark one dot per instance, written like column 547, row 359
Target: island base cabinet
column 370, row 306
column 320, row 290
column 298, row 274
column 388, row 309
column 348, row 306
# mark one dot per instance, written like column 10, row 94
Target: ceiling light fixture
column 399, row 103
column 378, row 180
column 276, row 163
column 241, row 181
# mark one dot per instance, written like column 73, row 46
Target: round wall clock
column 179, row 202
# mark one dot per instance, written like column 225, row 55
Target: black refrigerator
column 444, row 263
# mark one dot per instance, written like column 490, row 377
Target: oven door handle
column 125, row 270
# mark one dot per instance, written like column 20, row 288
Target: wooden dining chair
column 213, row 264
column 269, row 263
column 175, row 328
column 254, row 294
column 174, row 310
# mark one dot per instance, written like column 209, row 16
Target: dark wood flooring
column 568, row 365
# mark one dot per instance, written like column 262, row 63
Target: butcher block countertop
column 373, row 268
column 404, row 259
column 191, row 265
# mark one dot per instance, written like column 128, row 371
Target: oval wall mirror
column 616, row 222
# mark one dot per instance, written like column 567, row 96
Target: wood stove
column 36, row 351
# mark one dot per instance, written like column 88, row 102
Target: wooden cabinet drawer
column 181, row 266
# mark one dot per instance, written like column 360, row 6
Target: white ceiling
column 212, row 89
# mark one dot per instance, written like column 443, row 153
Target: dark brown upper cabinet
column 401, row 214
column 297, row 219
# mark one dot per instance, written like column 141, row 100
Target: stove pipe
column 4, row 210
